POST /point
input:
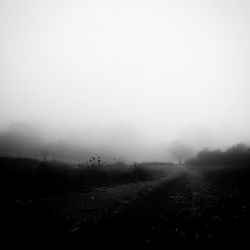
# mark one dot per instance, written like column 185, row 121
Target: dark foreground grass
column 22, row 178
column 187, row 212
column 190, row 211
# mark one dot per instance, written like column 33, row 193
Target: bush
column 231, row 167
column 29, row 178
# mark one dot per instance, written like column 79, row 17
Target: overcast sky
column 164, row 68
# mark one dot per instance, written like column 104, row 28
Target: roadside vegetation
column 29, row 178
column 230, row 167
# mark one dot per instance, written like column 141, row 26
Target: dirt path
column 48, row 220
column 103, row 202
column 185, row 211
column 182, row 210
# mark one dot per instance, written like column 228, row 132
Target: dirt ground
column 182, row 209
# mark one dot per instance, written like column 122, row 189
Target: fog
column 125, row 79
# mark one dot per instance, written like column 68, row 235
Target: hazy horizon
column 120, row 142
column 128, row 79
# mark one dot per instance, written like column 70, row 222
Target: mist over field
column 120, row 142
column 130, row 80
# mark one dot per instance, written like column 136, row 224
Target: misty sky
column 164, row 70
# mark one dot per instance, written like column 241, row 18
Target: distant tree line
column 238, row 155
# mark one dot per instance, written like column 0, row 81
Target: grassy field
column 23, row 178
column 194, row 206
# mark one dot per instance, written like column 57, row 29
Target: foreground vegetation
column 28, row 178
column 206, row 205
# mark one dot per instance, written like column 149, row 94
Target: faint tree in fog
column 180, row 151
